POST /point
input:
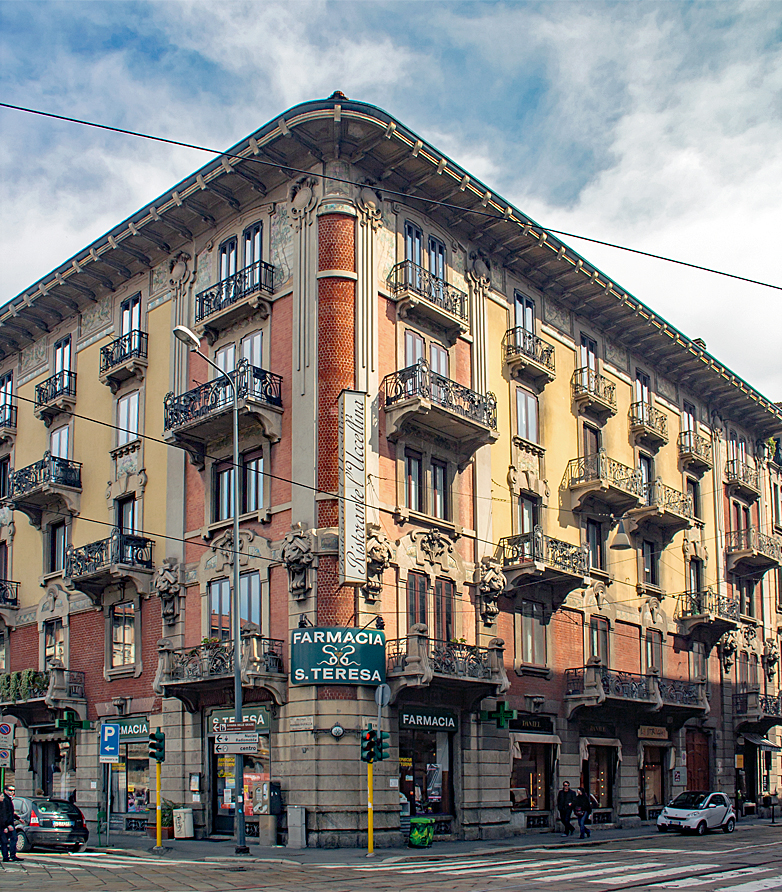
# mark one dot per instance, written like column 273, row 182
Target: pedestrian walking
column 7, row 830
column 582, row 809
column 565, row 800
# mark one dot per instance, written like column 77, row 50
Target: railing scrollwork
column 258, row 276
column 412, row 277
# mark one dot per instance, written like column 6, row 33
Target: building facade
column 569, row 512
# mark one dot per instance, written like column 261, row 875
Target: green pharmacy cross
column 502, row 715
column 71, row 723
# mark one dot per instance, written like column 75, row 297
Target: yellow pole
column 159, row 808
column 371, row 809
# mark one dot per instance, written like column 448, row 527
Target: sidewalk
column 223, row 847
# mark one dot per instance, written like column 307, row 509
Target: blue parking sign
column 109, row 743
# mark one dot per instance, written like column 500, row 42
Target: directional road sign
column 232, row 727
column 6, row 735
column 236, row 748
column 242, row 737
column 109, row 743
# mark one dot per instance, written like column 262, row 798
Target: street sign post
column 5, row 758
column 231, row 727
column 6, row 735
column 109, row 743
column 240, row 737
column 236, row 748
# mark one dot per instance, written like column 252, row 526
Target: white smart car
column 697, row 812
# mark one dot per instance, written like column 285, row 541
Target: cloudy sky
column 655, row 125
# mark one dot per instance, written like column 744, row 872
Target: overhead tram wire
column 401, row 195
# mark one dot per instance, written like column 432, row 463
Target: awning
column 585, row 742
column 762, row 743
column 519, row 737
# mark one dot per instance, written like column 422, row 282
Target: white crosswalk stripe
column 755, row 885
column 83, row 860
column 632, row 877
column 690, row 882
column 459, row 867
column 420, row 865
column 602, row 869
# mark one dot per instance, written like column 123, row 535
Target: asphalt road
column 741, row 862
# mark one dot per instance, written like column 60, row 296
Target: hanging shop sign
column 133, row 728
column 333, row 655
column 250, row 713
column 652, row 732
column 417, row 718
column 352, row 488
column 536, row 724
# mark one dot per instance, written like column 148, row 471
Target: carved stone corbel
column 369, row 204
column 297, row 555
column 380, row 553
column 770, row 657
column 168, row 587
column 728, row 646
column 491, row 584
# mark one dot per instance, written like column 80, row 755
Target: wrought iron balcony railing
column 49, row 470
column 691, row 443
column 458, row 659
column 643, row 414
column 679, row 692
column 626, row 685
column 770, row 705
column 657, row 494
column 258, row 276
column 74, row 684
column 419, row 381
column 538, row 548
column 8, row 413
column 751, row 539
column 211, row 660
column 575, row 681
column 707, row 602
column 599, row 468
column 58, row 385
column 217, row 394
column 587, row 382
column 119, row 548
column 132, row 345
column 520, row 342
column 738, row 471
column 9, row 593
column 410, row 276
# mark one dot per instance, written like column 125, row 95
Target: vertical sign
column 109, row 743
column 352, row 488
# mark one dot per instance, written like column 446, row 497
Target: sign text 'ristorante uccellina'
column 338, row 656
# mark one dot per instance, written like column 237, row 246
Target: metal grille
column 683, row 693
column 61, row 384
column 645, row 415
column 599, row 468
column 690, row 442
column 50, row 469
column 412, row 277
column 258, row 276
column 8, row 415
column 119, row 548
column 751, row 539
column 520, row 342
column 740, row 472
column 535, row 547
column 627, row 685
column 708, row 602
column 130, row 345
column 659, row 495
column 461, row 660
column 586, row 381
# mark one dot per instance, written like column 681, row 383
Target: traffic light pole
column 371, row 808
column 159, row 809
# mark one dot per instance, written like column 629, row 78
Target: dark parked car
column 48, row 822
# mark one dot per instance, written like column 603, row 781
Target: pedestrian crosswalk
column 79, row 861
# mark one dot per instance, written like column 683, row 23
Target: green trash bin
column 421, row 832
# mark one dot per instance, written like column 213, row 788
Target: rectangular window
column 528, row 514
column 252, row 349
column 698, row 661
column 689, row 416
column 126, row 515
column 776, row 499
column 646, row 466
column 438, row 361
column 742, row 671
column 754, row 676
column 414, row 490
column 695, row 576
column 123, row 634
column 414, row 240
column 588, row 353
column 6, row 399
column 4, row 662
column 57, row 546
column 694, row 492
column 225, row 360
column 526, row 415
column 59, row 442
column 53, row 642
column 533, row 634
column 62, row 355
column 417, row 585
column 591, row 440
column 130, row 315
column 220, row 609
column 5, row 471
column 746, row 589
column 226, row 259
column 524, row 310
column 651, row 557
column 440, row 507
column 3, row 561
column 253, row 483
column 223, row 493
column 598, row 639
column 253, row 244
column 642, row 387
column 530, row 777
column 443, row 609
column 250, row 600
column 654, row 650
column 436, row 257
column 127, row 418
column 595, row 537
column 414, row 348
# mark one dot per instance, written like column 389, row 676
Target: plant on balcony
column 22, row 685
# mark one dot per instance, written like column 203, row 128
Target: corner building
column 548, row 539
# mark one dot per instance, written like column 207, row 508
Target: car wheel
column 22, row 842
column 701, row 828
column 661, row 829
column 729, row 826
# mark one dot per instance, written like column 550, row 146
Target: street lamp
column 190, row 340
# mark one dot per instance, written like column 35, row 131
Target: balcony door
column 62, row 356
column 588, row 363
column 6, row 397
column 524, row 312
column 59, row 442
column 253, row 244
column 689, row 415
column 130, row 315
column 643, row 396
column 646, row 466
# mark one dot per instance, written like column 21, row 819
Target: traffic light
column 368, row 742
column 157, row 745
column 381, row 746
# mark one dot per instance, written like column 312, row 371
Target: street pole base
column 242, row 850
column 159, row 850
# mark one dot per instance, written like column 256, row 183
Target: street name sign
column 231, row 727
column 241, row 737
column 236, row 748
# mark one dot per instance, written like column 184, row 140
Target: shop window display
column 425, row 772
column 130, row 779
column 257, row 773
column 529, row 784
column 599, row 774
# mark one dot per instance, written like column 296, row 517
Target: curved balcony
column 664, row 508
column 194, row 418
column 598, row 482
column 695, row 452
column 742, row 479
column 90, row 568
column 762, row 711
column 752, row 551
column 234, row 298
column 124, row 358
column 54, row 396
column 202, row 672
column 465, row 670
column 37, row 698
column 528, row 357
column 533, row 557
column 706, row 615
column 47, row 484
column 8, row 412
column 648, row 425
column 593, row 393
column 420, row 398
column 421, row 294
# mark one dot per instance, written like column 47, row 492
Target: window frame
column 527, row 415
column 128, row 415
column 57, row 534
column 124, row 609
column 596, row 545
column 532, row 643
column 653, row 650
column 650, row 562
column 600, row 639
column 54, row 643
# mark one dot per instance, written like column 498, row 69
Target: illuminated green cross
column 70, row 723
column 502, row 715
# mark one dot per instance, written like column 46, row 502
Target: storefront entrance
column 652, row 782
column 697, row 744
column 130, row 776
column 53, row 764
column 534, row 749
column 425, row 761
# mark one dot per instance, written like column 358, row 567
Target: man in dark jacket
column 7, row 831
column 582, row 809
column 565, row 800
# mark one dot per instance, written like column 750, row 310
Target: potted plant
column 166, row 819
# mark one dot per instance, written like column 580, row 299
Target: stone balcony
column 695, row 452
column 558, row 566
column 122, row 556
column 742, row 479
column 420, row 294
column 124, row 358
column 55, row 396
column 49, row 484
column 37, row 698
column 528, row 357
column 762, row 711
column 706, row 616
column 600, row 483
column 417, row 397
column 664, row 508
column 593, row 393
column 9, row 602
column 233, row 299
column 751, row 551
column 8, row 413
column 648, row 425
column 467, row 671
column 191, row 673
column 205, row 413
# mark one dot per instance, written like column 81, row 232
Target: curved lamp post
column 190, row 340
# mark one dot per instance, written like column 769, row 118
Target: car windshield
column 56, row 807
column 690, row 799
